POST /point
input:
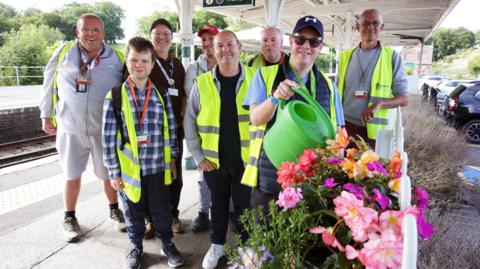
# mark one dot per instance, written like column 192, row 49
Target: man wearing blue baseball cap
column 272, row 83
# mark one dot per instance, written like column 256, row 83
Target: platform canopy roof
column 406, row 21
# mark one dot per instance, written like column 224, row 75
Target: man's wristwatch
column 273, row 100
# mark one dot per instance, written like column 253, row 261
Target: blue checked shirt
column 151, row 155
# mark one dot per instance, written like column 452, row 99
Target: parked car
column 427, row 84
column 445, row 87
column 461, row 108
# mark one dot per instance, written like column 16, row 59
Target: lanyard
column 145, row 105
column 313, row 86
column 361, row 67
column 170, row 79
column 88, row 64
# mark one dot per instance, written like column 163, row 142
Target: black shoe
column 133, row 259
column 71, row 229
column 174, row 257
column 201, row 223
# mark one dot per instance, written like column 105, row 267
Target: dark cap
column 208, row 28
column 309, row 21
column 163, row 22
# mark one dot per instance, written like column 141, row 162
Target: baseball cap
column 163, row 22
column 309, row 21
column 208, row 28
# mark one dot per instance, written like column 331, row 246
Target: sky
column 464, row 14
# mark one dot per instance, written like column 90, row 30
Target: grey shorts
column 74, row 150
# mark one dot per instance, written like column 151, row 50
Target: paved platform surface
column 31, row 213
column 19, row 96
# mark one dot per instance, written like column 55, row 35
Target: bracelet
column 273, row 100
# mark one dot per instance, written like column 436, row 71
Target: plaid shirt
column 151, row 155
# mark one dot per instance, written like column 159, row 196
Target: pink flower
column 358, row 218
column 289, row 173
column 421, row 197
column 351, row 252
column 289, row 197
column 332, row 160
column 329, row 183
column 381, row 199
column 391, row 219
column 328, row 237
column 382, row 252
column 425, row 229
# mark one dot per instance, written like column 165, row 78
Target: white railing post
column 16, row 74
column 410, row 242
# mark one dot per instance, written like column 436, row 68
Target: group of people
column 222, row 107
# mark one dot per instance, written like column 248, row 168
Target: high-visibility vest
column 269, row 73
column 208, row 119
column 380, row 88
column 66, row 48
column 129, row 158
column 259, row 61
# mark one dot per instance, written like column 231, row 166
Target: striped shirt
column 151, row 155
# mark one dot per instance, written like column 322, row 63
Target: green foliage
column 112, row 16
column 7, row 11
column 29, row 46
column 450, row 41
column 474, row 66
column 238, row 25
column 202, row 17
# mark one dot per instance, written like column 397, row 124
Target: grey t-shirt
column 359, row 78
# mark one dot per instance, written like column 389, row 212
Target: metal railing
column 18, row 73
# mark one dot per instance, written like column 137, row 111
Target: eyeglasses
column 372, row 23
column 161, row 33
column 312, row 42
column 93, row 30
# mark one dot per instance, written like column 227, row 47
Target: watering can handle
column 310, row 100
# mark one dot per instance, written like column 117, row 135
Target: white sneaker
column 214, row 253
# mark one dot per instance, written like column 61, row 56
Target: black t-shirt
column 229, row 145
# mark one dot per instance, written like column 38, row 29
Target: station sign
column 227, row 3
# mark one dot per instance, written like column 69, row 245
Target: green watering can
column 298, row 126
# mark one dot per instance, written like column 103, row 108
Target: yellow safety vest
column 269, row 73
column 208, row 119
column 259, row 61
column 128, row 157
column 380, row 88
column 66, row 48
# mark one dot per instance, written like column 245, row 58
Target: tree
column 238, row 25
column 7, row 11
column 477, row 38
column 202, row 17
column 31, row 45
column 450, row 41
column 144, row 23
column 112, row 16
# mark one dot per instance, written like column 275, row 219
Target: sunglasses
column 312, row 42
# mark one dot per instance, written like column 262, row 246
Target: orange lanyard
column 145, row 106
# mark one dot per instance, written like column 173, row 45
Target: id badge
column 82, row 82
column 143, row 139
column 361, row 94
column 173, row 91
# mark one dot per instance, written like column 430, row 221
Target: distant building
column 411, row 59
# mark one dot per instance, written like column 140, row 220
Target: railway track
column 26, row 150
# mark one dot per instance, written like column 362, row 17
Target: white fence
column 388, row 141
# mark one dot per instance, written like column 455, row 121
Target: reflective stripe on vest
column 128, row 157
column 380, row 88
column 208, row 119
column 269, row 73
column 258, row 62
column 66, row 48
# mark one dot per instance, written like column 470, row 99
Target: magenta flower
column 289, row 197
column 329, row 183
column 381, row 199
column 354, row 189
column 421, row 197
column 332, row 160
column 425, row 229
column 377, row 167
